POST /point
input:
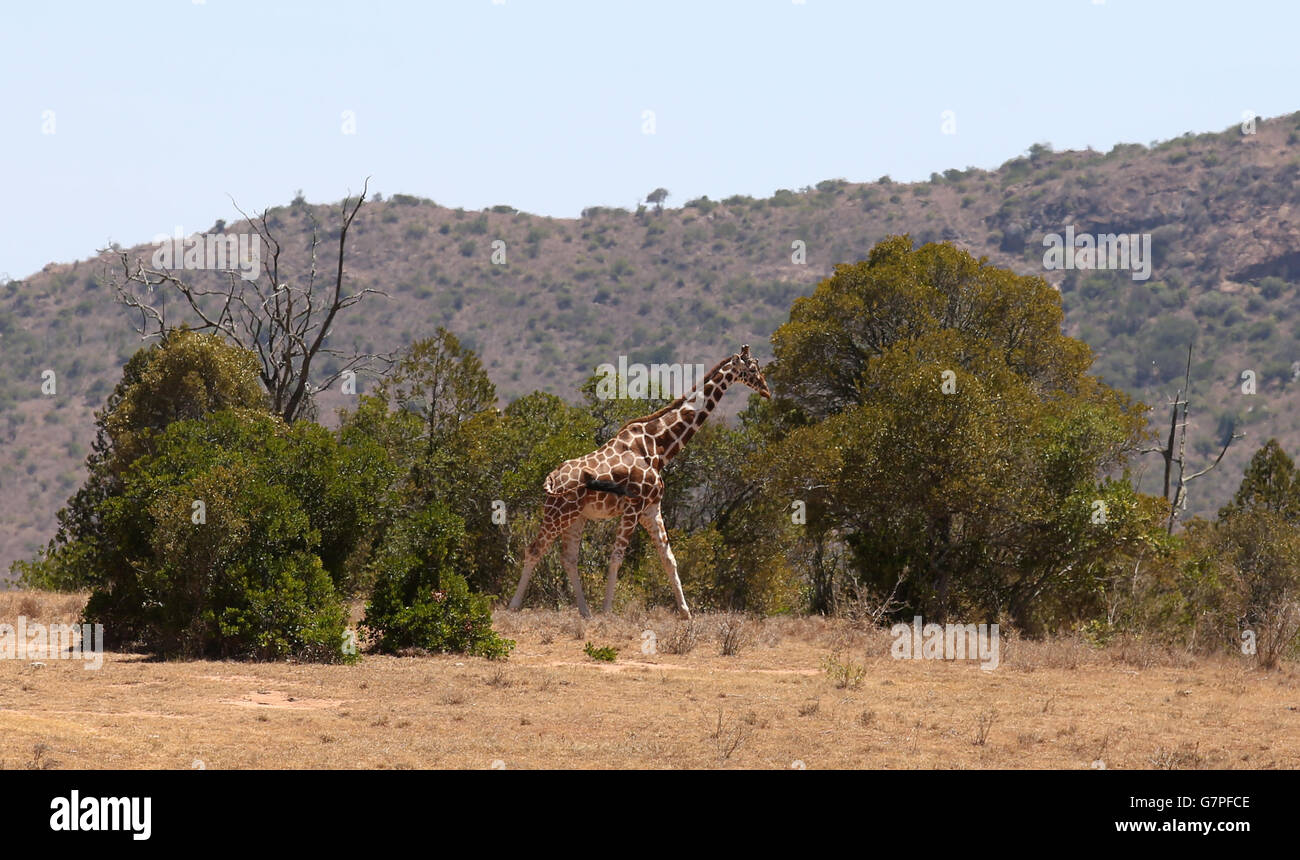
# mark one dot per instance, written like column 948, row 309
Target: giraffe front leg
column 654, row 523
column 626, row 527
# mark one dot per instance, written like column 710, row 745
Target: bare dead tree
column 284, row 321
column 1178, row 458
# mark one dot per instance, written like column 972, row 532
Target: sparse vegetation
column 602, row 654
column 843, row 672
column 464, row 712
column 733, row 634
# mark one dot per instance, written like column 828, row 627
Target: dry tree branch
column 285, row 323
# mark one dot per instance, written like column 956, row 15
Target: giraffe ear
column 744, row 351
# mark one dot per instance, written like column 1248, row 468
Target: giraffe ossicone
column 624, row 478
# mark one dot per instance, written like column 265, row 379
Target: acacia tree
column 284, row 320
column 657, row 197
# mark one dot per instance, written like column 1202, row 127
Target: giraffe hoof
column 683, row 613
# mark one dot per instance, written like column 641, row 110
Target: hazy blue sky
column 163, row 109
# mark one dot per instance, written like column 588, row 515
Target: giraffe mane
column 676, row 402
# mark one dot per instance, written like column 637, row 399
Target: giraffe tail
column 606, row 487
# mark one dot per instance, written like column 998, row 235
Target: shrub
column 1272, row 288
column 241, row 581
column 184, row 376
column 844, row 674
column 1212, row 306
column 604, row 654
column 420, row 601
column 704, row 204
column 733, row 634
column 683, row 639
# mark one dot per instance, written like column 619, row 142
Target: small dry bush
column 683, row 639
column 983, row 725
column 1185, row 757
column 734, row 633
column 844, row 673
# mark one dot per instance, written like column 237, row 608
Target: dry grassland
column 809, row 692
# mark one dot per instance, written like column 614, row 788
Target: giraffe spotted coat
column 624, row 478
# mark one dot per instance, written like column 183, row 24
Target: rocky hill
column 689, row 284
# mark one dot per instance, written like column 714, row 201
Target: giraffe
column 624, row 478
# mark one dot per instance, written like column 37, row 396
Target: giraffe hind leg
column 572, row 542
column 550, row 530
column 626, row 527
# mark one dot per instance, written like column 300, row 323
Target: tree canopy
column 947, row 431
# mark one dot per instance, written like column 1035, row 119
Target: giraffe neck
column 682, row 422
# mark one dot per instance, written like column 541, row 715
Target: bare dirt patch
column 280, row 699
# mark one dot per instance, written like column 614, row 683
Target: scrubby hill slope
column 689, row 284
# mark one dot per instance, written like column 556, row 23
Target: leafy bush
column 184, row 376
column 1273, row 287
column 604, row 654
column 420, row 601
column 704, row 204
column 212, row 557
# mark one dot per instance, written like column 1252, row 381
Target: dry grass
column 1058, row 704
column 683, row 639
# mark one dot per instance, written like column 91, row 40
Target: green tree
column 211, row 552
column 185, row 375
column 443, row 384
column 1243, row 573
column 420, row 600
column 948, row 435
column 1270, row 484
column 495, row 469
column 435, row 415
column 657, row 198
column 737, row 546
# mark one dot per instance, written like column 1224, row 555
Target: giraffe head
column 747, row 371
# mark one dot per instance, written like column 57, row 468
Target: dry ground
column 1059, row 704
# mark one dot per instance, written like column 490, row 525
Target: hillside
column 690, row 284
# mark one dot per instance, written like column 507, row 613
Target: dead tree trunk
column 1177, row 483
